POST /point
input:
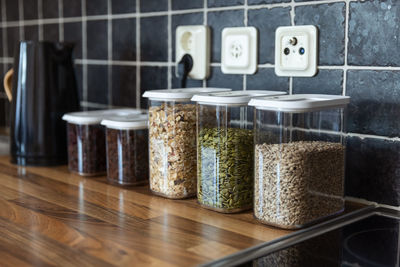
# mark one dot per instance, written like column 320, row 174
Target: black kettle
column 43, row 90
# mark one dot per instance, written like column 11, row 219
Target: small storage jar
column 172, row 141
column 299, row 158
column 225, row 150
column 127, row 149
column 86, row 140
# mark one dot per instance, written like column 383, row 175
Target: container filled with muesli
column 172, row 141
column 299, row 159
column 127, row 149
column 86, row 140
column 225, row 149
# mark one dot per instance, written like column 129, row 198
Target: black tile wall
column 97, row 44
column 50, row 9
column 31, row 32
column 97, row 78
column 141, row 53
column 373, row 170
column 328, row 82
column 260, row 2
column 13, row 38
column 98, row 7
column 50, row 32
column 73, row 33
column 153, row 5
column 72, row 8
column 123, row 6
column 12, row 9
column 30, row 9
column 152, row 78
column 218, row 79
column 265, row 79
column 374, row 43
column 124, row 39
column 124, row 86
column 184, row 4
column 266, row 21
column 330, row 20
column 154, row 43
column 375, row 102
column 222, row 3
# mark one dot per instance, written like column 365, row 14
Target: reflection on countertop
column 4, row 145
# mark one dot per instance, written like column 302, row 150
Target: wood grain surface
column 49, row 217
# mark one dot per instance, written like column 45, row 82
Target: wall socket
column 239, row 50
column 195, row 41
column 296, row 51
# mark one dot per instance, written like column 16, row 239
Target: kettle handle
column 8, row 83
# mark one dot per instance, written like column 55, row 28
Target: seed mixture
column 225, row 169
column 86, row 149
column 298, row 182
column 127, row 156
column 172, row 136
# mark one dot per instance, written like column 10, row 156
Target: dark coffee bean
column 86, row 149
column 127, row 156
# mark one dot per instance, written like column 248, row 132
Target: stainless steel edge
column 263, row 249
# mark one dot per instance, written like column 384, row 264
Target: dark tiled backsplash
column 121, row 53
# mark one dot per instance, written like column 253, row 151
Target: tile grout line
column 84, row 52
column 138, row 91
column 4, row 30
column 169, row 45
column 40, row 17
column 346, row 43
column 245, row 22
column 173, row 12
column 21, row 19
column 110, row 55
column 60, row 20
column 292, row 15
column 205, row 18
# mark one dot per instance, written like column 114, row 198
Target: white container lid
column 300, row 103
column 180, row 94
column 233, row 97
column 130, row 122
column 96, row 116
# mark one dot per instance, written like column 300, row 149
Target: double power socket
column 295, row 50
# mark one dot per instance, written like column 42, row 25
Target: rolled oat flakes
column 172, row 134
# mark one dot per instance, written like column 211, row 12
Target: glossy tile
column 330, row 20
column 154, row 43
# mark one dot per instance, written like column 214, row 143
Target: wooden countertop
column 49, row 216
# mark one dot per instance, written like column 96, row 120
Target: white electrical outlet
column 296, row 51
column 195, row 41
column 239, row 50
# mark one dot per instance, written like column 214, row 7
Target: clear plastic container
column 299, row 158
column 172, row 141
column 127, row 150
column 86, row 140
column 225, row 150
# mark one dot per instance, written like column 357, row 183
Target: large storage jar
column 86, row 140
column 172, row 141
column 127, row 149
column 225, row 150
column 299, row 158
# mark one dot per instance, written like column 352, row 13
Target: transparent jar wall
column 86, row 149
column 225, row 157
column 127, row 156
column 299, row 166
column 172, row 148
